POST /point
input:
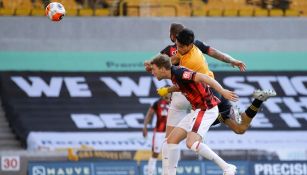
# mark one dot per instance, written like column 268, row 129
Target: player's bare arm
column 148, row 118
column 205, row 79
column 226, row 58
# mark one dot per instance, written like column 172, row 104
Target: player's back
column 195, row 61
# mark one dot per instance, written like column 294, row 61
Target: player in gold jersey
column 190, row 56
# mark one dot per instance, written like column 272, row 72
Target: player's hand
column 147, row 66
column 163, row 91
column 145, row 132
column 241, row 65
column 230, row 95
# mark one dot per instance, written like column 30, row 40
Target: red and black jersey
column 161, row 109
column 198, row 94
column 171, row 50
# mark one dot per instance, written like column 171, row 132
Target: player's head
column 161, row 65
column 174, row 30
column 184, row 41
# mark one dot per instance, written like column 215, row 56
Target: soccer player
column 160, row 108
column 194, row 126
column 179, row 105
column 186, row 53
column 189, row 56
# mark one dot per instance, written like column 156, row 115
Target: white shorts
column 199, row 121
column 178, row 109
column 157, row 141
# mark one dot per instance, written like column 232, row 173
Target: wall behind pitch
column 122, row 44
column 150, row 34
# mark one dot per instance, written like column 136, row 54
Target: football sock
column 151, row 166
column 252, row 110
column 164, row 158
column 206, row 152
column 173, row 158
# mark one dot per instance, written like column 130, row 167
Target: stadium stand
column 212, row 8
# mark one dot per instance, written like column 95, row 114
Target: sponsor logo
column 63, row 169
column 38, row 170
column 187, row 75
column 280, row 168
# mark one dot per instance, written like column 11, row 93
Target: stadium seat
column 246, row 12
column 7, row 12
column 261, row 12
column 68, row 4
column 275, row 12
column 86, row 12
column 10, row 4
column 23, row 12
column 230, row 12
column 214, row 12
column 71, row 12
column 291, row 13
column 102, row 12
column 38, row 12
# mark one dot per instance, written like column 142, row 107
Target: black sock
column 252, row 110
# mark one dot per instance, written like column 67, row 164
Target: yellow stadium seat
column 86, row 12
column 275, row 12
column 246, row 12
column 71, row 12
column 231, row 12
column 38, row 12
column 291, row 13
column 261, row 12
column 23, row 12
column 214, row 12
column 199, row 12
column 68, row 4
column 102, row 12
column 6, row 12
column 10, row 4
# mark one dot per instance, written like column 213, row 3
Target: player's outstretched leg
column 263, row 95
column 244, row 119
column 230, row 170
column 206, row 152
column 260, row 96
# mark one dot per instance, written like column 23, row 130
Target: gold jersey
column 196, row 61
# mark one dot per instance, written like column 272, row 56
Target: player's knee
column 189, row 145
column 189, row 142
column 170, row 141
column 240, row 130
column 194, row 146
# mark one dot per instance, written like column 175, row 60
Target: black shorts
column 224, row 106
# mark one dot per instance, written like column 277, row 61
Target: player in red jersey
column 179, row 104
column 194, row 126
column 160, row 108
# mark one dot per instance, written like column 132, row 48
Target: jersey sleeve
column 203, row 47
column 184, row 74
column 166, row 50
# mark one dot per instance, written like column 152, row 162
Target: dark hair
column 185, row 37
column 176, row 28
column 162, row 60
